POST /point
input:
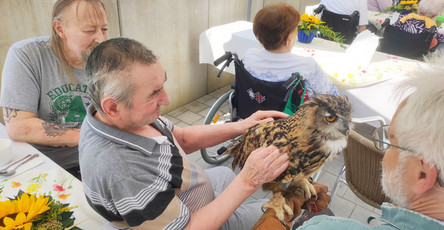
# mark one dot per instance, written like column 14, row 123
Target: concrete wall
column 171, row 28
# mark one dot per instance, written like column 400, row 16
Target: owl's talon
column 279, row 205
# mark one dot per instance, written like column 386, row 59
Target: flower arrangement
column 312, row 24
column 32, row 212
column 404, row 6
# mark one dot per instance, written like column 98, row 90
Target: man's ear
column 58, row 28
column 110, row 107
column 426, row 177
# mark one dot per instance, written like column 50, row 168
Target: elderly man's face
column 395, row 181
column 148, row 97
column 84, row 26
column 393, row 170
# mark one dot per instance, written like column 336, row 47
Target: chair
column 405, row 44
column 362, row 165
column 252, row 94
column 347, row 25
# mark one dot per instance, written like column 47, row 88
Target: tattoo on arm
column 8, row 114
column 54, row 130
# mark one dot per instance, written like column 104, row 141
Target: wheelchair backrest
column 402, row 43
column 252, row 94
column 347, row 25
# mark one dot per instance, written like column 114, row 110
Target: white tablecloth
column 50, row 179
column 369, row 88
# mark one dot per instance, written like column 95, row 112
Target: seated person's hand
column 295, row 198
column 263, row 165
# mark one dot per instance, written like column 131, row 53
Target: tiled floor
column 345, row 203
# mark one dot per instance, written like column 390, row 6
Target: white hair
column 431, row 8
column 420, row 123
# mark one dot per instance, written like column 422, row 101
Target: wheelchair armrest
column 319, row 9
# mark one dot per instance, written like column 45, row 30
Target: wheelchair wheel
column 220, row 113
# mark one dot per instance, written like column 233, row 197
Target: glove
column 322, row 201
column 295, row 198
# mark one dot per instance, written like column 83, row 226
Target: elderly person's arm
column 24, row 126
column 193, row 138
column 263, row 165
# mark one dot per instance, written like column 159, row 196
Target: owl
column 317, row 132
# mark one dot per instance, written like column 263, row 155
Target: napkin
column 361, row 51
column 24, row 167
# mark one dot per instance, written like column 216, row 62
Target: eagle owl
column 315, row 133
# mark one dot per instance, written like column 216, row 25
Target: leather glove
column 295, row 198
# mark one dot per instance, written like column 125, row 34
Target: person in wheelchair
column 275, row 26
column 378, row 5
column 347, row 8
column 423, row 21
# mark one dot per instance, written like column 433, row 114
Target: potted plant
column 310, row 25
column 404, row 7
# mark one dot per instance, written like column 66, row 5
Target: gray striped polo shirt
column 134, row 181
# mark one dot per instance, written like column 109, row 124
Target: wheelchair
column 346, row 25
column 248, row 95
column 405, row 44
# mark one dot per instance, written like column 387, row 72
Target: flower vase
column 304, row 38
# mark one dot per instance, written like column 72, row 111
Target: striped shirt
column 134, row 181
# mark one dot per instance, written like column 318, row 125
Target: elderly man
column 414, row 162
column 133, row 162
column 43, row 93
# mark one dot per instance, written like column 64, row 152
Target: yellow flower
column 31, row 205
column 32, row 188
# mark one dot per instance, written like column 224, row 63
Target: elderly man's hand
column 263, row 165
column 263, row 116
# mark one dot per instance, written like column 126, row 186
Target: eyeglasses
column 380, row 138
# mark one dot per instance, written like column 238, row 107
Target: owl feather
column 317, row 132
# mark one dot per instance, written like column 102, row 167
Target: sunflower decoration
column 32, row 212
column 404, row 6
column 312, row 24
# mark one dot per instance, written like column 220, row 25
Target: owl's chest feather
column 334, row 147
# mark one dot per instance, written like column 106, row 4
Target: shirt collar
column 134, row 141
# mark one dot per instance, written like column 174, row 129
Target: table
column 368, row 87
column 49, row 178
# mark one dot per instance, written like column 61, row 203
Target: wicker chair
column 362, row 164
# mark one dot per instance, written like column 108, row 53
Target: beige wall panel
column 23, row 19
column 222, row 12
column 171, row 29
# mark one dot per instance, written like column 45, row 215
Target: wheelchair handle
column 319, row 9
column 385, row 23
column 224, row 57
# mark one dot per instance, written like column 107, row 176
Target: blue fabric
column 392, row 218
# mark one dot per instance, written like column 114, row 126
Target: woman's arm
column 24, row 126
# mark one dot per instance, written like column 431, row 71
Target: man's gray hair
column 108, row 67
column 419, row 125
column 430, row 8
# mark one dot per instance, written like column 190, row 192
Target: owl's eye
column 330, row 118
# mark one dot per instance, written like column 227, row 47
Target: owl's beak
column 346, row 129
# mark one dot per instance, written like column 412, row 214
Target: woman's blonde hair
column 56, row 40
